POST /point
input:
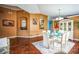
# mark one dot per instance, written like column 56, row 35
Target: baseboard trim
column 75, row 40
column 12, row 37
column 26, row 36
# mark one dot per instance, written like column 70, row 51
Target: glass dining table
column 55, row 38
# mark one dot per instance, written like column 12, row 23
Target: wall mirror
column 23, row 23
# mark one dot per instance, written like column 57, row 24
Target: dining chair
column 48, row 33
column 67, row 37
column 4, row 46
column 59, row 41
column 45, row 39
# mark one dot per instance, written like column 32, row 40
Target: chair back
column 63, row 40
column 4, row 43
column 45, row 39
column 67, row 36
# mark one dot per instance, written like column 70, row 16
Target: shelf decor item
column 6, row 22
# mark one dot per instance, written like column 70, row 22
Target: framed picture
column 34, row 21
column 56, row 24
column 41, row 24
column 7, row 22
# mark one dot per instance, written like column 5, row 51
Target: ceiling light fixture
column 59, row 17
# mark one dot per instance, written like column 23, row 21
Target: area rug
column 55, row 50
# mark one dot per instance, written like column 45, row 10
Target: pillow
column 3, row 42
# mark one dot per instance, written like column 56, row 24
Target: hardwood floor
column 24, row 46
column 75, row 49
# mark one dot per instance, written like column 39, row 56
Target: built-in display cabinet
column 67, row 25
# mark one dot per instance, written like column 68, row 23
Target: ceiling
column 50, row 9
column 10, row 7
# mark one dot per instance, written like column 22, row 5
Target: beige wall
column 76, row 30
column 0, row 22
column 35, row 29
column 16, row 17
column 9, row 15
column 22, row 14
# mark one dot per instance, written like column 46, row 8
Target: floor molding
column 75, row 40
column 25, row 36
column 12, row 37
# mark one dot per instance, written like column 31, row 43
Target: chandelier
column 59, row 17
